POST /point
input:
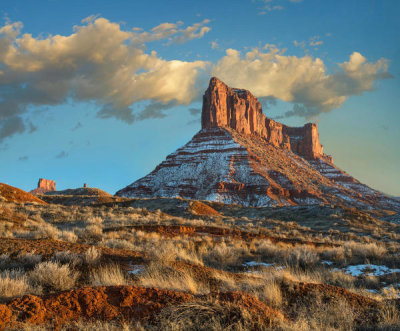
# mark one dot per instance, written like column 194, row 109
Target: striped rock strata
column 240, row 156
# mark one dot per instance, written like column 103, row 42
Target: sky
column 100, row 92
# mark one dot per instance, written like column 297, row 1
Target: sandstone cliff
column 44, row 185
column 239, row 110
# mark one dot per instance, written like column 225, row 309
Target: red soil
column 13, row 194
column 115, row 302
column 104, row 303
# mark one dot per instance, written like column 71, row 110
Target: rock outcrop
column 239, row 110
column 44, row 185
column 240, row 156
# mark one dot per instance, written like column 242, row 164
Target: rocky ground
column 83, row 259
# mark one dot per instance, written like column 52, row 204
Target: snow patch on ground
column 136, row 268
column 368, row 269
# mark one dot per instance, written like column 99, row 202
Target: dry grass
column 359, row 243
column 53, row 276
column 211, row 316
column 163, row 276
column 337, row 316
column 108, row 275
column 14, row 283
column 92, row 256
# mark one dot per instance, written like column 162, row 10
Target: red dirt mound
column 13, row 194
column 200, row 208
column 116, row 302
column 105, row 303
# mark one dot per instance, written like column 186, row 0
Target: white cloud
column 272, row 8
column 303, row 81
column 315, row 41
column 98, row 62
column 301, row 44
column 173, row 32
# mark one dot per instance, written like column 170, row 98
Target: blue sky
column 80, row 100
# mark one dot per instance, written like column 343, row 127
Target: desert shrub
column 333, row 254
column 67, row 257
column 319, row 315
column 13, row 283
column 173, row 250
column 339, row 278
column 224, row 255
column 53, row 276
column 94, row 221
column 68, row 236
column 163, row 276
column 302, row 257
column 107, row 275
column 29, row 260
column 47, row 230
column 271, row 294
column 210, row 315
column 364, row 251
column 267, row 250
column 91, row 233
column 4, row 261
column 389, row 316
column 92, row 256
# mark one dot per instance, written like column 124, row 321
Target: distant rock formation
column 44, row 185
column 239, row 110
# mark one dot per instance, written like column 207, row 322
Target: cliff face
column 239, row 110
column 44, row 185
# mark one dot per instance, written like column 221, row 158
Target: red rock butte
column 44, row 185
column 241, row 156
column 240, row 110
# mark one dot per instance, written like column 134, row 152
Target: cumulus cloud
column 102, row 63
column 98, row 62
column 173, row 32
column 303, row 81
